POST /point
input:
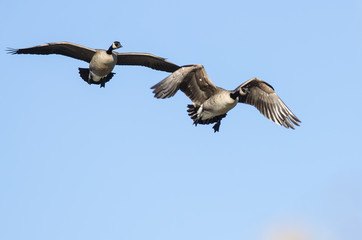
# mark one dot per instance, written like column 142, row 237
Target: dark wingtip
column 12, row 51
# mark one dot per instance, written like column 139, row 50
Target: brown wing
column 198, row 87
column 147, row 60
column 192, row 80
column 63, row 48
column 261, row 95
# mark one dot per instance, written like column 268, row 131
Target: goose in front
column 101, row 62
column 211, row 103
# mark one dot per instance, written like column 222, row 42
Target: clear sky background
column 80, row 162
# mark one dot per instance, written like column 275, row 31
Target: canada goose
column 211, row 103
column 101, row 62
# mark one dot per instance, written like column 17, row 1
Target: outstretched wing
column 63, row 48
column 191, row 79
column 262, row 96
column 147, row 60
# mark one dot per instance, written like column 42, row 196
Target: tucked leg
column 217, row 126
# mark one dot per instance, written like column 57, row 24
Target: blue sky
column 80, row 162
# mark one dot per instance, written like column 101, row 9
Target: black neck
column 234, row 95
column 110, row 49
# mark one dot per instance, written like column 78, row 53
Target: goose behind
column 211, row 103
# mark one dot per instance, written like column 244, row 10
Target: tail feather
column 169, row 86
column 106, row 79
column 84, row 74
column 192, row 112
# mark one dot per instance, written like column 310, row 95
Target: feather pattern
column 62, row 48
column 191, row 79
column 147, row 60
column 262, row 96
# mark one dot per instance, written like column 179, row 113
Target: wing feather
column 262, row 96
column 63, row 48
column 147, row 60
column 199, row 87
column 191, row 79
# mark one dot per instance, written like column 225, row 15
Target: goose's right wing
column 147, row 60
column 192, row 80
column 63, row 48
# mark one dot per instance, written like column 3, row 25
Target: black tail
column 192, row 111
column 84, row 74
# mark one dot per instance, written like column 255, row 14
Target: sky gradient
column 80, row 162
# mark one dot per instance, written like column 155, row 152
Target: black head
column 235, row 94
column 116, row 45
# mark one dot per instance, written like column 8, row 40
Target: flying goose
column 211, row 103
column 101, row 62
